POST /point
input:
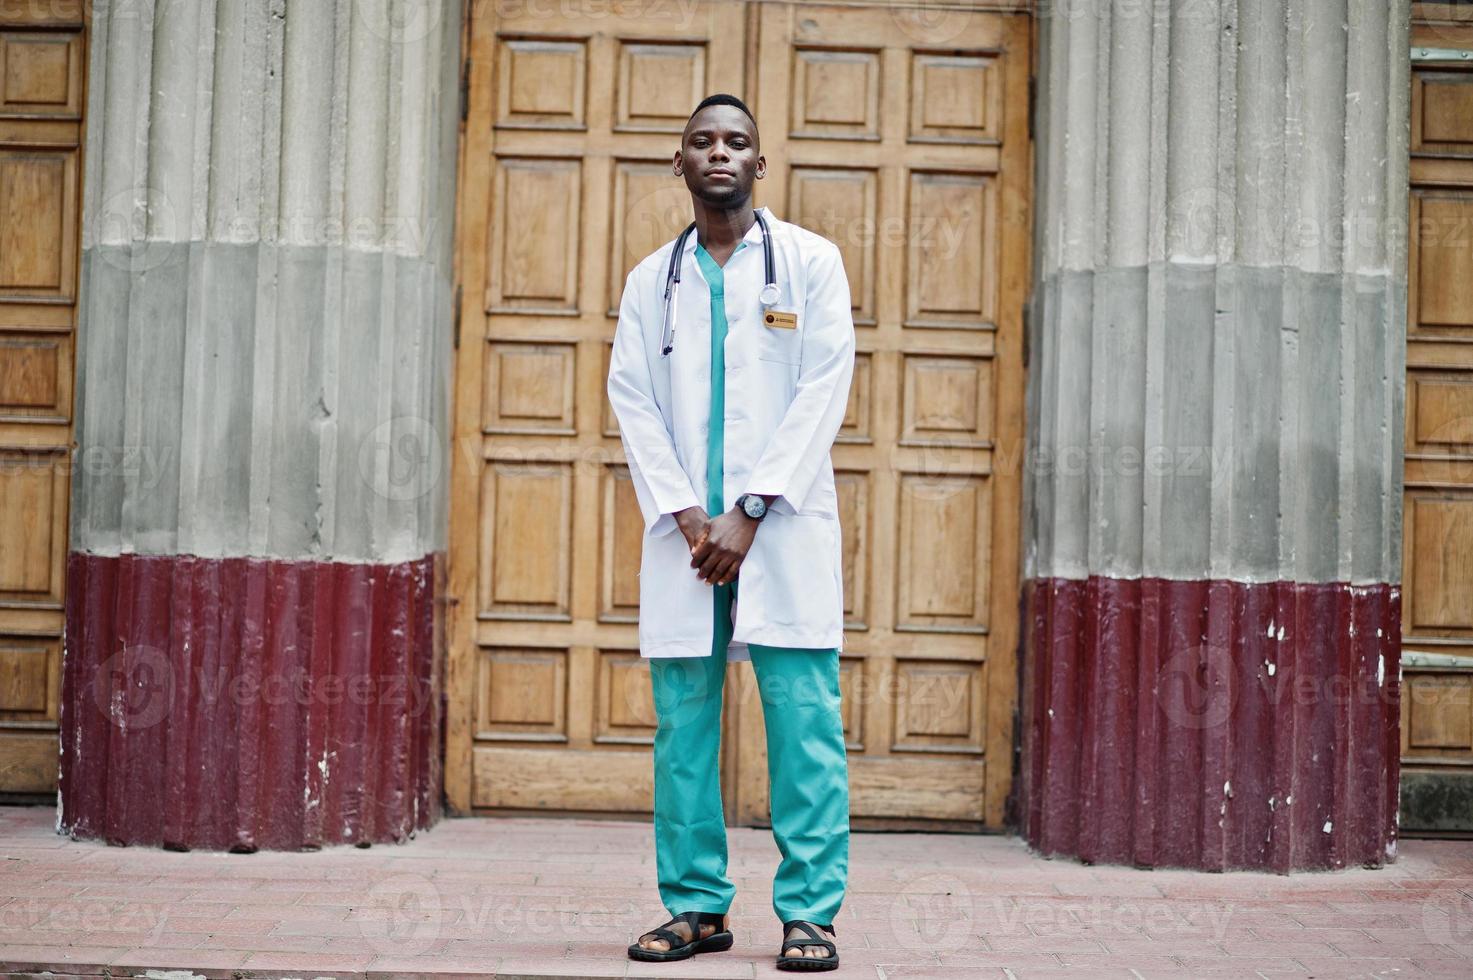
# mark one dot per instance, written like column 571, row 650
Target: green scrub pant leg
column 808, row 776
column 690, row 828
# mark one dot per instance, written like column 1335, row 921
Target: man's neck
column 720, row 229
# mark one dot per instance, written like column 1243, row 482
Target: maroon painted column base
column 244, row 703
column 1213, row 725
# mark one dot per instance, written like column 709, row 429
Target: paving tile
column 318, row 963
column 34, row 959
column 211, row 964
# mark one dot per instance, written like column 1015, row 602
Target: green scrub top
column 715, row 436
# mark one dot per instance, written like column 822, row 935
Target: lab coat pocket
column 675, row 605
column 779, row 344
column 802, row 583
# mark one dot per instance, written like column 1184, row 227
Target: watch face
column 754, row 506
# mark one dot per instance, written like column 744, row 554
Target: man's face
column 719, row 156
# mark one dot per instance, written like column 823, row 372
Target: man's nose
column 718, row 151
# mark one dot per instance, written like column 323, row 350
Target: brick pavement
column 562, row 898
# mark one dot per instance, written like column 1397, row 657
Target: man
column 727, row 415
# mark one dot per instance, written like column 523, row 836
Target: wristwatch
column 752, row 505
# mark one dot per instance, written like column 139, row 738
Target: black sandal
column 717, row 942
column 829, row 962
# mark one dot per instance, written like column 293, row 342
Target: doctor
column 727, row 408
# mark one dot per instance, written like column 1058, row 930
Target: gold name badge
column 780, row 320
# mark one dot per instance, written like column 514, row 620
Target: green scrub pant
column 806, row 761
column 807, row 769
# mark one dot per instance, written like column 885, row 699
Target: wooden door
column 574, row 112
column 42, row 94
column 912, row 153
column 1437, row 575
column 903, row 137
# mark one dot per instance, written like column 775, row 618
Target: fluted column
column 265, row 345
column 1213, row 513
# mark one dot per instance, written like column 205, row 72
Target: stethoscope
column 769, row 296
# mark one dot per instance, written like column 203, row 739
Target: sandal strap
column 694, row 921
column 675, row 940
column 809, row 928
column 708, row 919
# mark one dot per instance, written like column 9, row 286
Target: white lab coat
column 786, row 392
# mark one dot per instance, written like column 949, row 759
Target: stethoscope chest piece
column 770, row 294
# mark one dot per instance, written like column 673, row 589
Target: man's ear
column 675, row 164
column 761, row 167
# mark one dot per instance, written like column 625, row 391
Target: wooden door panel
column 42, row 92
column 943, row 553
column 1438, row 526
column 527, row 541
column 843, row 206
column 535, row 236
column 622, row 527
column 1437, row 513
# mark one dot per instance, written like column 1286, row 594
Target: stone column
column 1213, row 513
column 266, row 328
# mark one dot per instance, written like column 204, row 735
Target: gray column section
column 266, row 312
column 1217, row 327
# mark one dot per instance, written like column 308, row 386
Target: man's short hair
column 721, row 98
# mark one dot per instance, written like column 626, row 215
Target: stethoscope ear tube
column 672, row 292
column 770, row 293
